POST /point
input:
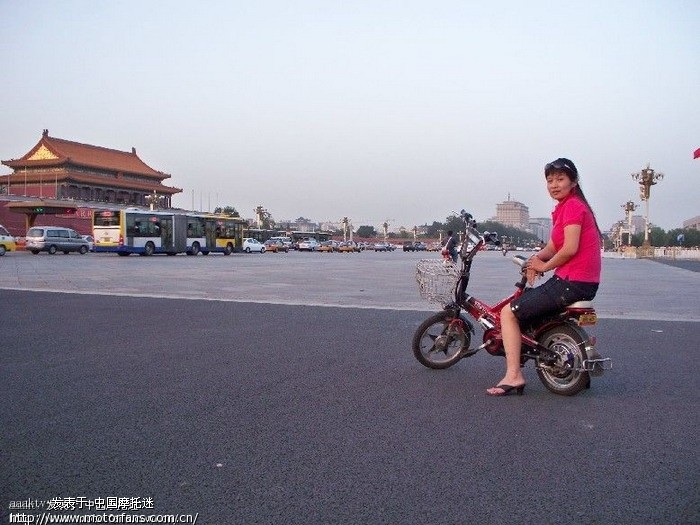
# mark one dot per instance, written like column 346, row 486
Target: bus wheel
column 229, row 249
column 195, row 249
column 205, row 253
column 149, row 249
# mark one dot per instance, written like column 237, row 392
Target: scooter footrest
column 597, row 366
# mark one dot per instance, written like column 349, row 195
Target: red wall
column 15, row 222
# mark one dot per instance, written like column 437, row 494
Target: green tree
column 513, row 235
column 454, row 223
column 434, row 229
column 690, row 238
column 268, row 223
column 366, row 231
column 229, row 210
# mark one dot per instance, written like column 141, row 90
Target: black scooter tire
column 432, row 332
column 563, row 378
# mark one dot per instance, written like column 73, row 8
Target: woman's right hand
column 533, row 269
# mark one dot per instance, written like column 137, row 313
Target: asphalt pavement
column 281, row 388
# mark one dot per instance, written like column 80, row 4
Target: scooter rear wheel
column 563, row 375
column 437, row 344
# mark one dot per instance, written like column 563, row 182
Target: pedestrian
column 573, row 252
column 451, row 246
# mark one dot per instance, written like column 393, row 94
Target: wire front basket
column 436, row 280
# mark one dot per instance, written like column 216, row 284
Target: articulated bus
column 214, row 233
column 132, row 230
column 319, row 236
column 260, row 235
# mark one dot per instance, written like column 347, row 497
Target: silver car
column 54, row 239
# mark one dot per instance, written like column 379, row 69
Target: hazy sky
column 374, row 110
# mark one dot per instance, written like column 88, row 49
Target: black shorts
column 551, row 297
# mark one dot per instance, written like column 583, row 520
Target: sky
column 378, row 110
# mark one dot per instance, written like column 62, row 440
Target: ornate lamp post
column 153, row 200
column 617, row 234
column 646, row 179
column 345, row 223
column 629, row 207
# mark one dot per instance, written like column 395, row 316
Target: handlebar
column 476, row 238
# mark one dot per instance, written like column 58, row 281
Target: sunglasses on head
column 559, row 165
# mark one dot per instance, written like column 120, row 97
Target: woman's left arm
column 572, row 236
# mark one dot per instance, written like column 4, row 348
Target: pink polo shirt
column 585, row 265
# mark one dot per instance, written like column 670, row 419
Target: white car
column 253, row 245
column 309, row 245
column 7, row 242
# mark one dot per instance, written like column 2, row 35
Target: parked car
column 308, row 245
column 287, row 241
column 420, row 246
column 348, row 247
column 273, row 245
column 7, row 242
column 381, row 247
column 253, row 245
column 54, row 239
column 408, row 246
column 327, row 246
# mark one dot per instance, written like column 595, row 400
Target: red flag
column 696, row 154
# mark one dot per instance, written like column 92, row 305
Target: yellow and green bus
column 147, row 232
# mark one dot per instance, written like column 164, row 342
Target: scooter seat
column 581, row 304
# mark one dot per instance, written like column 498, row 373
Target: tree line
column 686, row 237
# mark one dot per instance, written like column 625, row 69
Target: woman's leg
column 510, row 329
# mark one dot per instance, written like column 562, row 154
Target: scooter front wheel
column 440, row 341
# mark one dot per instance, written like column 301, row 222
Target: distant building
column 513, row 213
column 62, row 169
column 300, row 225
column 542, row 227
column 693, row 223
column 638, row 224
column 83, row 176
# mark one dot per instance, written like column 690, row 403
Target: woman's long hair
column 579, row 191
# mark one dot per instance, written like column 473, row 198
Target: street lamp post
column 153, row 200
column 646, row 179
column 629, row 207
column 345, row 223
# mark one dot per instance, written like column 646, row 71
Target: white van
column 7, row 241
column 54, row 239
